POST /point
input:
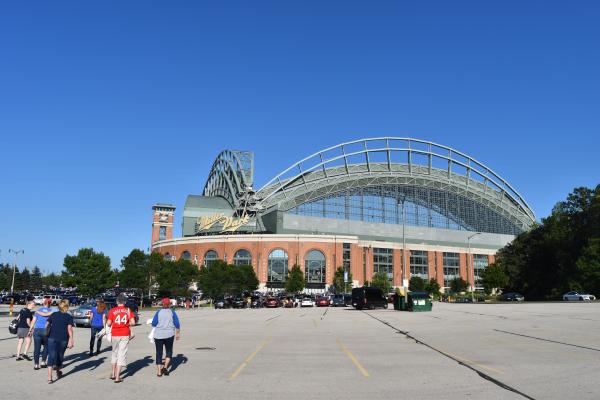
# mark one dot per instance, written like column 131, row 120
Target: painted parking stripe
column 249, row 358
column 352, row 358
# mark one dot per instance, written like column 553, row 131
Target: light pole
column 404, row 275
column 472, row 264
column 16, row 253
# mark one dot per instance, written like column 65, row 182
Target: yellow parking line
column 249, row 358
column 470, row 362
column 362, row 369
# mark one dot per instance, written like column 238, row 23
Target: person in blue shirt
column 166, row 329
column 97, row 323
column 60, row 338
column 38, row 331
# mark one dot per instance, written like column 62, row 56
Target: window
column 277, row 266
column 480, row 263
column 242, row 257
column 186, row 255
column 419, row 264
column 383, row 261
column 346, row 257
column 167, row 256
column 162, row 233
column 451, row 263
column 314, row 267
column 210, row 257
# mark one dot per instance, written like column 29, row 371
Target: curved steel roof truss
column 394, row 161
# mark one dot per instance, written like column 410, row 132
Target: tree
column 135, row 272
column 175, row 277
column 51, row 280
column 221, row 279
column 380, row 280
column 494, row 277
column 458, row 285
column 244, row 279
column 433, row 286
column 213, row 280
column 35, row 282
column 89, row 271
column 295, row 280
column 588, row 266
column 339, row 284
column 416, row 284
column 25, row 280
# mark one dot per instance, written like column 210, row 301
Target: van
column 368, row 297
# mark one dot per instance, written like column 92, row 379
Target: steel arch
column 230, row 176
column 333, row 169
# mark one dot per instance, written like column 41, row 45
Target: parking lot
column 457, row 351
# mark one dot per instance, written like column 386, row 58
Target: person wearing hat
column 119, row 320
column 166, row 330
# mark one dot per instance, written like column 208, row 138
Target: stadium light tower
column 470, row 261
column 16, row 253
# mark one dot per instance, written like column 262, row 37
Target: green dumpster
column 400, row 303
column 419, row 301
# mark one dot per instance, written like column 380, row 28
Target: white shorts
column 119, row 350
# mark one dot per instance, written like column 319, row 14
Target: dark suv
column 368, row 297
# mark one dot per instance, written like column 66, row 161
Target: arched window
column 210, row 257
column 167, row 256
column 242, row 257
column 314, row 267
column 186, row 256
column 278, row 266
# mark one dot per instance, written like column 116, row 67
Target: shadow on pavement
column 177, row 360
column 88, row 365
column 137, row 365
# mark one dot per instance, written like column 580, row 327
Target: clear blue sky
column 108, row 107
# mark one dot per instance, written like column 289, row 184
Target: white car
column 307, row 302
column 575, row 296
column 38, row 300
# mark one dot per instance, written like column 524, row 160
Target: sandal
column 50, row 381
column 112, row 377
column 118, row 380
column 35, row 367
column 165, row 371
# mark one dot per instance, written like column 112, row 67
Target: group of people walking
column 52, row 334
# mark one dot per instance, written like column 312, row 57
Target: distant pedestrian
column 25, row 317
column 119, row 319
column 166, row 329
column 60, row 338
column 97, row 323
column 39, row 334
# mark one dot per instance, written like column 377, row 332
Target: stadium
column 402, row 206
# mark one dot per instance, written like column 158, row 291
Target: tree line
column 560, row 254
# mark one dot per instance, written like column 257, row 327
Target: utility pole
column 16, row 253
column 404, row 274
column 469, row 261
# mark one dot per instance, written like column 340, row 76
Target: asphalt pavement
column 457, row 351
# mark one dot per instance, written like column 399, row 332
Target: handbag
column 12, row 327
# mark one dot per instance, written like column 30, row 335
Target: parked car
column 38, row 300
column 54, row 298
column 322, row 302
column 222, row 303
column 512, row 296
column 368, row 297
column 338, row 301
column 82, row 314
column 576, row 296
column 307, row 302
column 348, row 299
column 238, row 302
column 15, row 298
column 271, row 302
